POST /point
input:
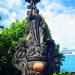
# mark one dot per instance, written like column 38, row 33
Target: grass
column 63, row 73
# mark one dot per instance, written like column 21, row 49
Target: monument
column 32, row 55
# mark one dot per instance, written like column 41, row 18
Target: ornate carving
column 33, row 49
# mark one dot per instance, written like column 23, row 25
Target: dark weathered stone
column 33, row 49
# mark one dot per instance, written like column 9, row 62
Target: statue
column 34, row 19
column 31, row 57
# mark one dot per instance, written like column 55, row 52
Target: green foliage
column 62, row 73
column 9, row 39
column 1, row 27
column 58, row 58
column 54, row 50
column 42, row 17
column 0, row 17
column 10, row 36
column 46, row 32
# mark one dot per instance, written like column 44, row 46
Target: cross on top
column 32, row 1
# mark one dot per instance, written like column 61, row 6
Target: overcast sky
column 58, row 14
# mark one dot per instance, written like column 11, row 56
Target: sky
column 58, row 14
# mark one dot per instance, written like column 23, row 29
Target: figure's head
column 34, row 1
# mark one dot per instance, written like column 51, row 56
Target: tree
column 1, row 27
column 0, row 17
column 9, row 39
column 55, row 57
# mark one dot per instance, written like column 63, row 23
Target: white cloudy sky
column 59, row 15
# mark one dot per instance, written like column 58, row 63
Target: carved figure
column 31, row 53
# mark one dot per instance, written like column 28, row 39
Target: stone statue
column 30, row 56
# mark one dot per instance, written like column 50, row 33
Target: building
column 69, row 63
